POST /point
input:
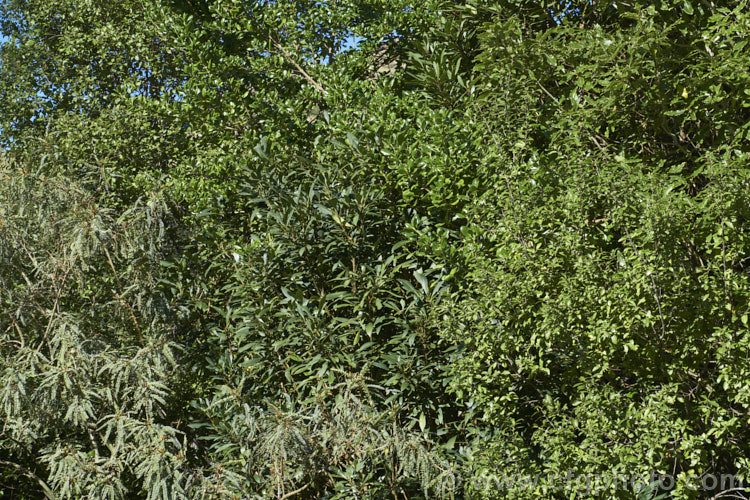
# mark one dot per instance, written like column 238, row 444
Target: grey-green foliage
column 337, row 439
column 86, row 355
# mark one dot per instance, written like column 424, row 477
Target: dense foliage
column 374, row 249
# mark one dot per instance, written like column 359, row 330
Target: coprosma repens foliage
column 373, row 249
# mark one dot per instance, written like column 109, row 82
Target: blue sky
column 2, row 39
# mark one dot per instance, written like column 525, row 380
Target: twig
column 122, row 300
column 18, row 329
column 547, row 92
column 89, row 428
column 656, row 289
column 289, row 58
column 727, row 493
column 295, row 492
column 55, row 307
column 47, row 491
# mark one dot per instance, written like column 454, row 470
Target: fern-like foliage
column 94, row 394
column 339, row 443
column 86, row 352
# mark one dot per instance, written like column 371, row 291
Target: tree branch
column 23, row 470
column 304, row 73
column 295, row 492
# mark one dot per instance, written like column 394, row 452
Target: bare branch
column 304, row 73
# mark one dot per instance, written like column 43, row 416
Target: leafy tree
column 87, row 403
column 297, row 314
column 371, row 249
column 605, row 308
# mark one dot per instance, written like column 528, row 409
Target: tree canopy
column 380, row 249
